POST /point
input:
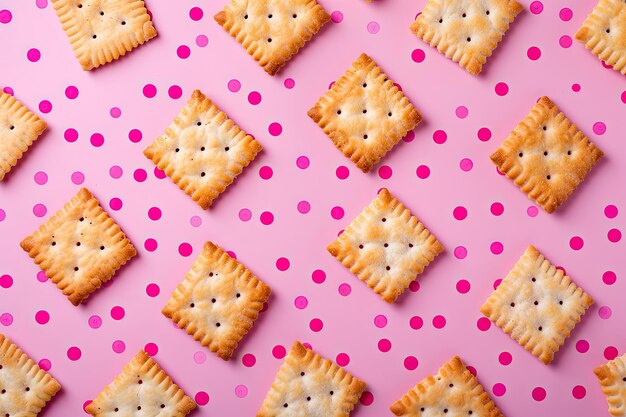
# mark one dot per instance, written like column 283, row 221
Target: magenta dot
column 202, row 41
column 41, row 178
column 33, row 55
column 385, row 172
column 380, row 321
column 497, row 209
column 576, row 243
column 8, row 90
column 335, row 16
column 460, row 252
column 610, row 211
column 241, row 391
column 318, row 276
column 234, row 86
column 175, row 92
column 248, row 360
column 45, row 364
column 42, row 317
column 497, row 248
column 422, row 172
column 459, row 213
column 195, row 13
column 3, row 215
column 342, row 172
column 152, row 290
column 6, row 319
column 154, row 213
column 566, row 14
column 416, row 322
column 539, row 394
column 279, row 351
column 45, row 106
column 609, row 277
column 533, row 53
column 579, row 392
column 303, row 162
column 373, row 27
column 499, row 389
column 140, row 175
column 484, row 134
column 505, row 358
column 536, row 7
column 118, row 346
column 282, row 264
column 410, row 363
column 497, row 283
column 367, row 398
column 159, row 173
column 267, row 218
column 74, row 353
column 301, row 302
column 254, row 98
column 418, row 55
column 275, row 129
column 183, row 51
column 115, row 204
column 532, row 211
column 266, row 172
column 610, row 353
column 185, row 249
column 582, row 346
column 440, row 136
column 117, row 313
column 414, row 286
column 201, row 397
column 565, row 41
column 337, row 213
column 483, row 324
column 342, row 359
column 97, row 140
column 5, row 16
column 289, row 83
column 623, row 96
column 245, row 215
column 384, row 345
column 605, row 312
column 575, row 87
column 70, row 135
column 71, row 92
column 6, row 281
column 316, row 325
column 461, row 112
column 149, row 90
column 439, row 322
column 115, row 171
column 344, row 289
column 199, row 357
column 599, row 128
column 463, row 286
column 151, row 349
column 614, row 235
column 135, row 135
column 150, row 245
column 94, row 322
column 39, row 210
column 466, row 164
column 115, row 112
column 502, row 89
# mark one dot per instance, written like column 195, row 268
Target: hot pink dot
column 497, row 248
column 118, row 346
column 45, row 364
column 610, row 353
column 71, row 92
column 94, row 321
column 536, row 7
column 463, row 286
column 74, row 353
column 289, row 83
column 497, row 283
column 175, row 92
column 45, row 106
column 582, row 346
column 33, row 55
column 183, row 51
column 532, row 211
column 39, row 210
column 117, row 313
column 234, row 86
column 316, row 325
column 154, row 213
column 418, row 55
column 303, row 162
column 483, row 324
column 576, row 243
column 304, row 207
column 539, row 394
column 275, row 129
column 461, row 112
column 380, row 321
column 565, row 41
column 497, row 209
column 267, row 218
column 533, row 53
column 579, row 392
column 414, row 286
column 266, row 172
column 42, row 317
column 318, row 276
column 6, row 319
column 575, row 87
column 115, row 204
column 254, row 98
column 385, row 172
column 440, row 136
column 159, row 173
column 422, row 172
column 85, row 404
column 416, row 322
column 484, row 134
column 599, row 128
column 335, row 16
column 5, row 16
column 282, row 264
column 623, row 96
column 70, row 135
column 140, row 175
column 185, row 249
column 502, row 89
column 202, row 41
column 41, row 178
column 301, row 302
column 201, row 397
column 466, row 164
column 245, row 215
column 342, row 359
column 248, row 360
column 609, row 277
column 149, row 90
column 505, row 358
column 241, row 391
column 459, row 213
column 460, row 252
column 195, row 13
column 97, row 140
column 566, row 14
column 614, row 235
column 199, row 357
column 367, row 398
column 439, row 322
column 152, row 290
column 6, row 281
column 410, row 363
column 279, row 351
column 607, row 66
column 344, row 289
column 373, row 27
column 499, row 389
column 342, row 172
column 3, row 215
column 150, row 245
column 610, row 211
column 8, row 90
column 384, row 345
column 135, row 135
column 605, row 312
column 337, row 213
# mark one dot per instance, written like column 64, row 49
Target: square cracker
column 218, row 301
column 466, row 31
column 364, row 113
column 203, row 151
column 537, row 305
column 101, row 31
column 19, row 128
column 272, row 31
column 385, row 246
column 546, row 155
column 143, row 389
column 604, row 33
column 26, row 388
column 453, row 391
column 309, row 385
column 612, row 379
column 80, row 247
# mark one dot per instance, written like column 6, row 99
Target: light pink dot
column 536, row 7
column 39, row 210
column 410, row 363
column 152, row 290
column 118, row 346
column 483, row 324
column 373, row 27
column 42, row 317
column 576, row 243
column 599, row 128
column 185, row 249
column 199, row 357
column 301, row 302
column 154, row 213
column 94, row 321
column 6, row 281
column 342, row 172
column 45, row 364
column 115, row 171
column 115, row 204
column 70, row 135
column 418, row 55
column 149, row 90
column 254, row 98
column 367, row 398
column 267, row 218
column 566, row 14
column 150, row 245
column 304, row 207
column 289, row 83
column 459, row 213
column 410, row 135
column 609, row 277
column 466, row 164
column 380, row 321
column 335, row 16
column 342, row 359
column 71, row 92
column 196, row 221
column 266, row 172
column 605, row 312
column 318, row 276
column 282, row 264
column 234, row 86
column 575, row 87
column 422, row 172
column 115, row 112
column 439, row 322
column 7, row 89
column 248, row 360
column 33, row 55
column 78, row 178
column 74, row 353
column 337, row 213
column 41, row 178
column 183, row 51
column 582, row 346
column 97, row 140
column 505, row 358
column 497, row 209
column 565, row 41
column 610, row 211
column 496, row 248
column 610, row 353
column 241, row 391
column 614, row 235
column 279, row 351
column 484, row 134
column 201, row 398
column 275, row 129
column 498, row 389
column 502, row 89
column 117, row 313
column 539, row 394
column 463, row 286
column 533, row 53
column 245, row 215
column 416, row 322
column 140, row 175
column 41, row 276
column 6, row 319
column 579, row 392
column 385, row 172
column 532, row 211
column 45, row 106
column 460, row 252
column 303, row 162
column 344, row 289
column 159, row 173
column 5, row 16
column 202, row 41
column 316, row 325
column 461, row 112
column 195, row 13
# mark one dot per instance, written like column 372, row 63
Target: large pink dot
column 344, row 289
column 337, row 213
column 463, row 286
column 289, row 83
column 536, row 7
column 318, row 276
column 265, row 172
column 149, row 90
column 466, row 164
column 599, row 128
column 385, row 172
column 154, row 213
column 6, row 319
column 5, row 16
column 201, row 398
column 70, row 135
column 566, row 14
column 533, row 53
column 234, row 85
column 117, row 313
column 342, row 359
column 342, row 172
column 499, row 389
column 539, row 394
column 275, row 129
column 461, row 112
column 611, row 211
column 409, row 136
column 115, row 204
column 422, row 172
column 303, row 162
column 380, row 321
column 45, row 106
column 367, row 398
column 140, row 175
column 33, row 55
column 39, row 210
column 150, row 245
column 282, row 264
column 605, row 312
column 245, row 215
column 609, row 277
column 484, row 134
column 185, row 249
column 335, row 16
column 248, row 360
column 304, row 207
column 71, row 92
column 6, row 281
column 610, row 353
column 267, row 218
column 135, row 135
column 565, row 41
column 576, row 243
column 416, row 322
column 78, row 177
column 460, row 252
column 582, row 346
column 502, row 89
column 254, row 98
column 440, row 136
column 279, row 351
column 384, row 345
column 497, row 248
column 74, row 353
column 118, row 346
column 316, row 325
column 411, row 363
column 195, row 13
column 459, row 213
column 439, row 322
column 241, row 391
column 505, row 358
column 418, row 55
column 152, row 290
column 94, row 321
column 42, row 317
column 497, row 209
column 45, row 364
column 483, row 324
column 614, row 235
column 41, row 178
column 579, row 392
column 97, row 140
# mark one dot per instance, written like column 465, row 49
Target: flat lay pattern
column 296, row 195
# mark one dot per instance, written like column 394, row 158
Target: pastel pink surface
column 288, row 205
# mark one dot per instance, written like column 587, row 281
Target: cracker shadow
column 512, row 29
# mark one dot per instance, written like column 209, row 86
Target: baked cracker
column 466, row 31
column 80, row 247
column 385, row 246
column 100, row 31
column 143, row 389
column 612, row 379
column 454, row 391
column 309, row 385
column 218, row 301
column 364, row 113
column 546, row 155
column 603, row 33
column 203, row 151
column 19, row 128
column 272, row 31
column 537, row 305
column 25, row 388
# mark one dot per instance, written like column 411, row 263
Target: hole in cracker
column 534, row 279
column 82, row 219
column 192, row 305
column 269, row 40
column 544, row 128
column 94, row 36
column 338, row 111
column 389, row 114
column 520, row 154
column 512, row 304
column 440, row 20
column 101, row 13
column 213, row 300
column 451, row 385
column 384, row 219
column 364, row 111
column 540, row 328
column 116, row 410
column 569, row 152
column 12, row 127
column 138, row 407
column 445, row 410
column 536, row 303
column 301, row 373
column 162, row 405
column 210, row 274
column 238, row 295
column 386, row 245
column 470, row 412
column 245, row 17
column 410, row 245
column 177, row 149
column 285, row 405
column 608, row 31
column 364, row 136
column 140, row 382
column 364, row 85
column 202, row 174
column 308, row 398
column 545, row 153
column 386, row 79
column 422, row 409
column 123, row 22
column 75, row 268
column 218, row 324
column 464, row 15
column 294, row 15
column 547, row 177
column 27, row 389
column 202, row 149
column 269, row 16
column 487, row 12
column 332, row 392
column 387, row 267
column 469, row 39
column 101, row 247
column 561, row 302
column 77, row 243
column 624, row 379
column 227, row 149
column 80, row 6
column 54, row 243
column 199, row 124
column 360, row 246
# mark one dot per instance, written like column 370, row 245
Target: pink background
column 465, row 118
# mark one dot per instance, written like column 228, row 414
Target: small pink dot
column 33, row 55
column 45, row 364
column 380, row 321
column 150, row 245
column 599, row 128
column 78, row 178
column 74, row 353
column 39, row 210
column 342, row 172
column 539, row 394
column 42, row 317
column 202, row 41
column 623, row 96
column 41, row 178
column 118, row 346
column 505, row 358
column 385, row 172
column 536, row 7
column 484, row 134
column 463, row 286
column 316, row 325
column 409, row 136
column 497, row 248
column 422, row 172
column 461, row 112
column 85, row 404
column 460, row 252
column 115, row 112
column 254, row 98
column 70, row 135
column 115, row 204
column 342, row 359
column 344, row 289
column 115, row 172
column 266, row 172
column 533, row 53
column 304, row 207
column 303, row 162
column 234, row 86
column 301, row 302
column 610, row 211
column 497, row 209
column 149, row 90
column 607, row 66
column 373, row 27
column 440, row 137
column 337, row 213
column 5, row 16
column 367, row 398
column 248, row 360
column 483, row 324
column 94, row 322
column 245, row 215
column 117, row 313
column 576, row 243
column 610, row 353
column 7, row 89
column 499, row 389
column 609, row 277
column 439, row 322
column 418, row 55
column 318, row 276
column 158, row 173
column 566, row 14
column 175, row 92
column 579, row 392
column 565, row 41
column 416, row 322
column 289, row 83
column 411, row 363
column 195, row 13
column 202, row 398
column 199, row 357
column 282, row 264
column 582, row 346
column 502, row 89
column 71, row 92
column 275, row 129
column 45, row 106
column 279, row 351
column 614, row 235
column 576, row 88
column 532, row 211
column 97, row 140
column 384, row 345
column 335, row 16
column 152, row 290
column 605, row 312
column 196, row 221
column 459, row 213
column 6, row 281
column 466, row 164
column 183, row 51
column 241, row 391
column 185, row 249
column 414, row 286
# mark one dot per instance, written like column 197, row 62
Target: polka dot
column 150, row 245
column 45, row 106
column 367, row 398
column 42, row 317
column 41, row 178
column 373, row 27
column 196, row 221
column 342, row 359
column 502, row 89
column 116, row 172
column 302, row 162
column 316, row 325
column 282, row 264
column 483, row 324
column 77, row 178
column 422, row 172
column 337, row 213
column 459, row 213
column 183, row 52
column 498, row 389
column 45, row 364
column 96, row 140
column 582, row 346
column 245, row 215
column 199, row 357
column 418, row 55
column 496, row 209
column 289, row 83
column 536, row 7
column 533, row 53
column 579, row 392
column 41, row 276
column 599, row 128
column 610, row 353
column 185, row 249
column 267, row 218
column 39, row 210
column 152, row 290
column 463, row 286
column 154, row 213
column 301, row 302
column 336, row 16
column 532, row 211
column 318, row 276
column 384, row 345
column 576, row 243
column 33, row 55
column 118, row 346
column 410, row 135
column 440, row 137
column 344, row 289
column 254, row 98
column 70, row 135
column 461, row 112
column 439, row 322
column 195, row 13
column 71, row 92
column 115, row 112
column 565, row 41
column 234, row 86
column 609, row 277
column 575, row 88
column 279, row 351
column 496, row 248
column 605, row 312
column 566, row 14
column 149, row 90
column 74, row 353
column 497, row 283
column 385, row 172
column 241, row 391
column 175, row 92
column 466, row 164
column 3, row 215
column 505, row 358
column 248, row 360
column 380, row 321
column 115, row 204
column 614, row 235
column 610, row 211
column 460, row 252
column 410, row 363
column 275, row 129
column 539, row 394
column 6, row 281
column 5, row 16
column 416, row 322
column 202, row 41
column 94, row 321
column 201, row 398
column 484, row 134
column 140, row 175
column 117, row 313
column 266, row 172
column 158, row 173
column 342, row 172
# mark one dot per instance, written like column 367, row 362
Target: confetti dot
column 565, row 41
column 418, row 55
column 316, row 325
column 303, row 162
column 33, row 55
column 440, row 136
column 241, row 391
column 385, row 172
column 118, row 346
column 266, row 172
column 342, row 172
column 115, row 112
column 78, row 178
column 196, row 221
column 94, row 322
column 234, row 86
column 71, row 92
column 195, row 13
column 254, row 98
column 116, row 172
column 614, row 235
column 459, row 213
column 117, row 313
column 152, row 290
column 275, row 129
column 289, row 83
column 342, row 359
column 5, row 16
column 199, row 357
column 304, row 207
column 384, row 345
column 97, row 140
column 6, row 281
column 599, row 128
column 416, row 322
column 582, row 346
column 267, row 218
column 566, row 14
column 536, row 7
column 183, row 51
column 466, row 164
column 463, row 286
column 42, row 317
column 461, row 112
column 411, row 363
column 610, row 353
column 610, row 211
column 115, row 204
column 609, row 277
column 422, row 172
column 483, row 324
column 279, row 351
column 202, row 398
column 337, row 213
column 318, row 276
column 154, row 213
column 575, row 88
column 539, row 394
column 245, row 215
column 499, row 389
column 344, row 289
column 496, row 248
column 301, row 302
column 185, row 249
column 282, row 264
column 502, row 89
column 373, row 27
column 532, row 211
column 409, row 136
column 505, row 358
column 576, row 243
column 484, row 134
column 460, row 252
column 45, row 364
column 39, row 210
column 41, row 178
column 202, row 41
column 380, row 321
column 74, row 353
column 45, row 106
column 149, row 90
column 248, row 360
column 175, row 92
column 367, row 398
column 70, row 135
column 439, row 322
column 150, row 245
column 579, row 392
column 605, row 312
column 336, row 16
column 533, row 53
